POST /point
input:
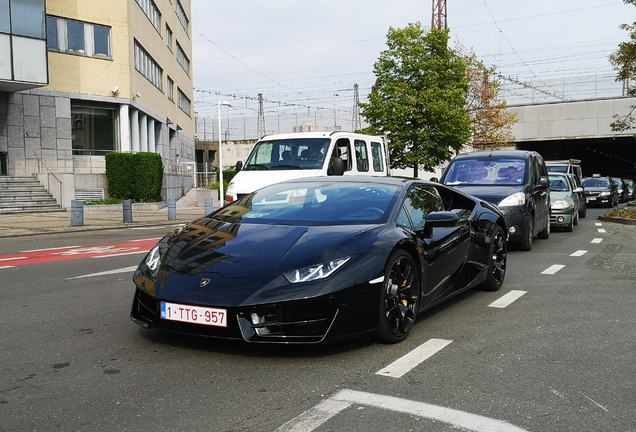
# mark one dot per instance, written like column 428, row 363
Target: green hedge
column 137, row 177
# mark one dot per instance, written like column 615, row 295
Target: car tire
column 570, row 226
column 545, row 234
column 583, row 212
column 497, row 260
column 526, row 244
column 399, row 299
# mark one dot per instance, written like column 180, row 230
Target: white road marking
column 4, row 267
column 56, row 248
column 552, row 269
column 602, row 230
column 507, row 299
column 595, row 403
column 121, row 270
column 596, row 240
column 579, row 253
column 407, row 362
column 120, row 254
column 12, row 259
column 314, row 417
column 598, row 224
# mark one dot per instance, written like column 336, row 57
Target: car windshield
column 558, row 184
column 314, row 203
column 503, row 171
column 288, row 154
column 595, row 182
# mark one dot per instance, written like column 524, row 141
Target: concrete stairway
column 25, row 195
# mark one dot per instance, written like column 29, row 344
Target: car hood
column 252, row 250
column 559, row 196
column 491, row 193
column 596, row 189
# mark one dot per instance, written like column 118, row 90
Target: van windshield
column 288, row 154
column 504, row 171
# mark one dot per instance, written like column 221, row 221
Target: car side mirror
column 579, row 190
column 544, row 182
column 435, row 179
column 239, row 166
column 336, row 167
column 439, row 219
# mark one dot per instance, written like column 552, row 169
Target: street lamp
column 221, row 196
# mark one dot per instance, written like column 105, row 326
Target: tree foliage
column 623, row 60
column 419, row 98
column 491, row 121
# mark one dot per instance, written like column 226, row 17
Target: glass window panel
column 94, row 130
column 29, row 60
column 5, row 24
column 51, row 33
column 75, row 30
column 5, row 57
column 102, row 40
column 28, row 18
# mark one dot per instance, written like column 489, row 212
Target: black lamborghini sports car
column 319, row 259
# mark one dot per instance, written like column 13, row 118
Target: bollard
column 77, row 213
column 172, row 209
column 127, row 211
column 209, row 205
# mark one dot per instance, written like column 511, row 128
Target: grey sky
column 301, row 54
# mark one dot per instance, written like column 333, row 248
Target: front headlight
column 560, row 204
column 518, row 198
column 605, row 193
column 316, row 271
column 153, row 259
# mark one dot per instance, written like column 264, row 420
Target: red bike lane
column 40, row 256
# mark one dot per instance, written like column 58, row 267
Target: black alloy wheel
column 526, row 244
column 399, row 299
column 497, row 260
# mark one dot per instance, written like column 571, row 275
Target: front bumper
column 561, row 218
column 517, row 223
column 598, row 200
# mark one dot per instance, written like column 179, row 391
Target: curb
column 617, row 220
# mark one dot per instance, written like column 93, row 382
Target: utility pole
column 438, row 20
column 356, row 123
column 260, row 130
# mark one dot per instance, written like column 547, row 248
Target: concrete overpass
column 578, row 129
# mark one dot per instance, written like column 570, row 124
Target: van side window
column 343, row 150
column 362, row 158
column 376, row 154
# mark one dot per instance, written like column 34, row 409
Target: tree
column 419, row 98
column 491, row 121
column 624, row 62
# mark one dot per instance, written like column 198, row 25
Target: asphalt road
column 559, row 356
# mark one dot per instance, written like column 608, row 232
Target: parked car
column 317, row 259
column 631, row 189
column 621, row 189
column 568, row 166
column 564, row 201
column 515, row 180
column 600, row 191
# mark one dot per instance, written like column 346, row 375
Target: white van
column 276, row 158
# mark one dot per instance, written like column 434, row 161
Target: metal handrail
column 42, row 162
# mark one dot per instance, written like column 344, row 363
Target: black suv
column 514, row 180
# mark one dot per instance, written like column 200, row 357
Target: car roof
column 497, row 154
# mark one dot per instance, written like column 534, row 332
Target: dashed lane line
column 579, row 253
column 507, row 299
column 552, row 269
column 407, row 362
column 596, row 240
column 602, row 230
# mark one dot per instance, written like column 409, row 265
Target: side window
column 419, row 202
column 403, row 219
column 362, row 158
column 376, row 154
column 536, row 173
column 343, row 150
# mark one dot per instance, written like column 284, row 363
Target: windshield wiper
column 275, row 167
column 256, row 167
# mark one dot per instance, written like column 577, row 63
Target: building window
column 27, row 18
column 146, row 66
column 94, row 130
column 182, row 59
column 5, row 22
column 183, row 102
column 183, row 18
column 77, row 37
column 170, row 89
column 51, row 33
column 152, row 12
column 168, row 37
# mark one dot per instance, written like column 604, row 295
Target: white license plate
column 194, row 314
column 589, row 200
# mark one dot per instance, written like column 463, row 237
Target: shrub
column 138, row 176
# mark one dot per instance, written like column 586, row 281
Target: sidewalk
column 26, row 224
